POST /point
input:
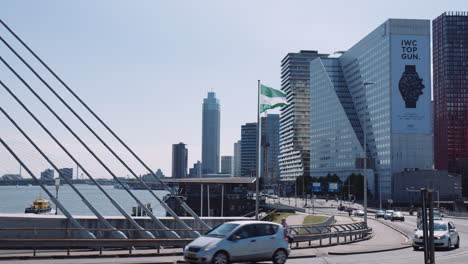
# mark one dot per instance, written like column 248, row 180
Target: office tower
column 66, row 172
column 195, row 171
column 294, row 157
column 237, row 160
column 450, row 71
column 226, row 165
column 210, row 134
column 160, row 174
column 270, row 149
column 249, row 150
column 179, row 161
column 380, row 87
column 48, row 174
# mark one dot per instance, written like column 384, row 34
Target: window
column 266, row 229
column 246, row 231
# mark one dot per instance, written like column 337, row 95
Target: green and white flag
column 271, row 98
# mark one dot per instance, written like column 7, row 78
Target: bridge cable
column 85, row 233
column 183, row 204
column 148, row 212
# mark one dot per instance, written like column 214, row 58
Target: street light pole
column 365, row 154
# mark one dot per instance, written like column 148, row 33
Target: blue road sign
column 333, row 187
column 316, row 187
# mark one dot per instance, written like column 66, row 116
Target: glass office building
column 380, row 87
column 450, row 56
column 210, row 134
column 248, row 156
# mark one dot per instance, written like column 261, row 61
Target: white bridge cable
column 183, row 204
column 172, row 234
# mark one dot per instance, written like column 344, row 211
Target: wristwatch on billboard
column 410, row 86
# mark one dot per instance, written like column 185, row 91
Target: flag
column 271, row 98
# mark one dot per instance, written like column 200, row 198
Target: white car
column 359, row 213
column 388, row 214
column 445, row 236
column 240, row 241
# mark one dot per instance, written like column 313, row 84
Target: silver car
column 445, row 236
column 240, row 241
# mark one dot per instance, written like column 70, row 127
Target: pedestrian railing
column 328, row 233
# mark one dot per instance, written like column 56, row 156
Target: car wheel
column 415, row 248
column 449, row 244
column 220, row 258
column 280, row 257
column 457, row 245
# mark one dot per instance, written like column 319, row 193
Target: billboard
column 333, row 187
column 316, row 187
column 410, row 84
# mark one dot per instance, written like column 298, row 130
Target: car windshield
column 397, row 213
column 437, row 227
column 222, row 230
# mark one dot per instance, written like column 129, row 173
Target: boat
column 39, row 206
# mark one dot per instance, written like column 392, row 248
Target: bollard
column 68, row 252
column 320, row 242
column 34, row 252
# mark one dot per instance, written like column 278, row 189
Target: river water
column 14, row 199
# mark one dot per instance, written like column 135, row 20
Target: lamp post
column 365, row 153
column 57, row 186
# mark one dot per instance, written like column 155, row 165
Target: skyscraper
column 450, row 71
column 270, row 148
column 179, row 161
column 66, row 173
column 249, row 150
column 294, row 157
column 380, row 87
column 48, row 174
column 226, row 165
column 210, row 134
column 237, row 160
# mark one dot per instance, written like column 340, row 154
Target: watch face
column 410, row 86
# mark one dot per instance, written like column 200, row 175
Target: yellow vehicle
column 39, row 206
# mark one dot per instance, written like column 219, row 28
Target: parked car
column 358, row 213
column 240, row 241
column 445, row 236
column 397, row 216
column 437, row 216
column 388, row 214
column 379, row 214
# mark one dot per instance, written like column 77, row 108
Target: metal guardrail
column 299, row 233
column 309, row 233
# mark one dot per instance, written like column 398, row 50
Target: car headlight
column 440, row 237
column 210, row 247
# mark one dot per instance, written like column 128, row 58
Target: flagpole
column 259, row 142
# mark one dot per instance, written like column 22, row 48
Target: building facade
column 66, row 173
column 236, row 166
column 210, row 134
column 48, row 174
column 294, row 159
column 379, row 91
column 226, row 165
column 179, row 161
column 195, row 171
column 450, row 71
column 249, row 148
column 270, row 149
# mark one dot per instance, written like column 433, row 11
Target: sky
column 145, row 67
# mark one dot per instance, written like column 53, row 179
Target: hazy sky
column 145, row 66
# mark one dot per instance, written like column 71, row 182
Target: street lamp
column 365, row 153
column 57, row 186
